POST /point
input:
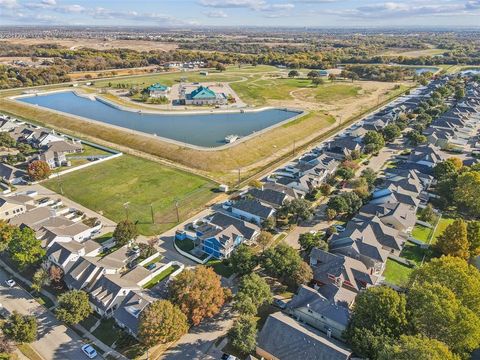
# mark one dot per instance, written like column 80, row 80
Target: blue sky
column 292, row 13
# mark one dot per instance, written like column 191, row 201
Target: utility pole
column 126, row 208
column 151, row 212
column 176, row 209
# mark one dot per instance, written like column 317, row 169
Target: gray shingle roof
column 287, row 339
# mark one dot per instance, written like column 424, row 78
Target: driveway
column 55, row 340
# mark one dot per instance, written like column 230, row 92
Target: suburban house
column 10, row 208
column 252, row 210
column 282, row 337
column 271, row 197
column 396, row 215
column 54, row 153
column 65, row 254
column 203, row 96
column 11, row 175
column 310, row 307
column 340, row 278
column 83, row 273
column 127, row 314
column 219, row 242
column 158, row 90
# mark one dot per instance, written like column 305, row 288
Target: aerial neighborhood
column 230, row 194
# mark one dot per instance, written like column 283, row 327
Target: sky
column 274, row 13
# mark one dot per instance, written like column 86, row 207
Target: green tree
column 243, row 334
column 317, row 81
column 467, row 192
column 220, row 67
column 308, row 241
column 345, row 173
column 281, row 261
column 124, row 232
column 73, row 307
column 299, row 208
column 256, row 288
column 444, row 169
column 428, row 214
column 243, row 260
column 313, row 74
column 161, row 322
column 38, row 170
column 41, row 278
column 198, row 293
column 370, row 176
column 24, row 248
column 264, row 239
column 453, row 241
column 303, row 274
column 455, row 274
column 435, row 312
column 373, row 141
column 293, row 74
column 417, row 347
column 379, row 312
column 6, row 140
column 21, row 328
column 6, row 234
column 391, row 132
column 245, row 305
column 473, row 236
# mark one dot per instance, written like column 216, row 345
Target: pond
column 422, row 70
column 473, row 71
column 204, row 130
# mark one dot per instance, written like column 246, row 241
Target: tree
column 25, row 249
column 264, row 239
column 6, row 234
column 331, row 214
column 417, row 347
column 55, row 273
column 473, row 236
column 453, row 241
column 373, row 141
column 243, row 260
column 308, row 241
column 435, row 312
column 220, row 67
column 161, row 322
column 416, row 138
column 457, row 162
column 391, row 132
column 7, row 346
column 293, row 74
column 313, row 74
column 299, row 208
column 255, row 288
column 467, row 192
column 325, row 189
column 345, row 203
column 73, row 307
column 198, row 293
column 378, row 312
column 41, row 278
column 345, row 173
column 21, row 328
column 302, row 275
column 269, row 223
column 243, row 334
column 370, row 176
column 455, row 274
column 444, row 169
column 459, row 93
column 245, row 305
column 427, row 214
column 6, row 140
column 317, row 81
column 38, row 170
column 125, row 232
column 284, row 262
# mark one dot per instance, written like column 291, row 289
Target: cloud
column 252, row 4
column 8, row 4
column 216, row 14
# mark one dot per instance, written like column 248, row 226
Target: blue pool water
column 207, row 130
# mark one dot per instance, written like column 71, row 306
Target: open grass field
column 414, row 53
column 144, row 185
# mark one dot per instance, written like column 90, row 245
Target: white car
column 10, row 283
column 89, row 351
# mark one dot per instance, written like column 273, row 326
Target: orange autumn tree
column 198, row 293
column 38, row 170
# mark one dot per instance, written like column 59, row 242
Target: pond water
column 470, row 72
column 421, row 70
column 206, row 130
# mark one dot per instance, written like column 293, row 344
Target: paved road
column 55, row 341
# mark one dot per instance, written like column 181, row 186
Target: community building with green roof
column 158, row 90
column 203, row 95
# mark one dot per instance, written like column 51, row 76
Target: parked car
column 89, row 351
column 151, row 266
column 228, row 357
column 10, row 283
column 339, row 228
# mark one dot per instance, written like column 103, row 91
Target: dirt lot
column 140, row 45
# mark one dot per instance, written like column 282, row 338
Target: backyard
column 133, row 187
column 397, row 273
column 163, row 275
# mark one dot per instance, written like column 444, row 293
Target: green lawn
column 103, row 238
column 220, row 268
column 442, row 225
column 335, row 92
column 413, row 253
column 134, row 185
column 396, row 273
column 421, row 233
column 163, row 275
column 89, row 321
column 107, row 332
